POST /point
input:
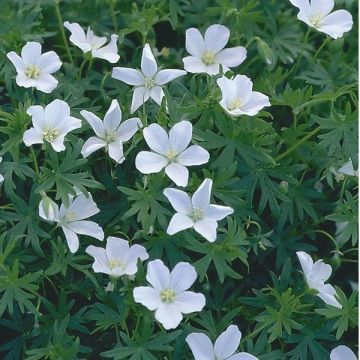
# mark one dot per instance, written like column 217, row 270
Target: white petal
column 323, row 7
column 131, row 257
column 116, row 247
column 158, row 275
column 46, row 83
column 58, row 143
column 56, row 112
column 327, row 294
column 342, row 353
column 201, row 197
column 140, row 96
column 306, row 261
column 22, row 80
column 148, row 162
column 193, row 155
column 32, row 136
column 217, row 212
column 188, row 302
column 194, row 42
column 67, row 124
column 243, row 88
column 95, row 41
column 179, row 200
column 108, row 52
column 116, row 151
column 206, row 228
column 216, row 38
column 83, row 207
column 48, row 210
column 147, row 296
column 165, row 76
column 38, row 117
column 182, row 277
column 213, row 69
column 101, row 263
column 31, row 52
column 148, row 63
column 94, row 122
column 337, row 23
column 113, row 116
column 16, row 60
column 348, row 169
column 227, row 343
column 157, row 139
column 128, row 129
column 78, row 36
column 194, row 65
column 91, row 145
column 256, row 103
column 201, row 346
column 89, row 228
column 178, row 223
column 128, row 76
column 168, row 315
column 180, row 136
column 179, row 174
column 232, row 57
column 71, row 239
column 157, row 94
column 49, row 62
column 242, row 356
column 321, row 271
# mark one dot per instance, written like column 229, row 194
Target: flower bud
column 266, row 53
column 48, row 209
column 284, row 187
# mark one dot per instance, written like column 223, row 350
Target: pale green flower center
column 69, row 217
column 167, row 295
column 32, row 72
column 50, row 134
column 208, row 58
column 235, row 104
column 110, row 136
column 113, row 263
column 171, row 155
column 148, row 83
column 316, row 20
column 197, row 214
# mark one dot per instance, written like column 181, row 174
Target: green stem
column 62, row 31
column 112, row 14
column 294, row 147
column 36, row 166
column 81, row 68
column 326, row 234
column 320, row 48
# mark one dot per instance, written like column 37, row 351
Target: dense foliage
column 278, row 170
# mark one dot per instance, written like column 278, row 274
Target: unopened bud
column 48, row 209
column 284, row 187
column 266, row 53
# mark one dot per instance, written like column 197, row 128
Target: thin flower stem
column 62, row 31
column 81, row 68
column 36, row 166
column 295, row 146
column 320, row 48
column 112, row 14
column 327, row 235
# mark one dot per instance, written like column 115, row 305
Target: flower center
column 113, row 263
column 50, row 134
column 235, row 104
column 69, row 217
column 110, row 136
column 32, row 72
column 208, row 58
column 171, row 155
column 197, row 214
column 167, row 296
column 316, row 20
column 148, row 83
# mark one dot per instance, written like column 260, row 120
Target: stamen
column 235, row 104
column 167, row 295
column 50, row 134
column 197, row 214
column 171, row 155
column 208, row 58
column 32, row 72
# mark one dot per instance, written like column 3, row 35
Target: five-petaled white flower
column 118, row 258
column 147, row 81
column 196, row 212
column 342, row 353
column 223, row 349
column 71, row 218
column 348, row 169
column 51, row 123
column 168, row 293
column 170, row 152
column 317, row 14
column 89, row 42
column 238, row 97
column 208, row 53
column 34, row 69
column 110, row 133
column 316, row 274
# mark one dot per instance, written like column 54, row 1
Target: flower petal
column 131, row 257
column 46, row 83
column 108, row 52
column 58, row 143
column 128, row 76
column 165, row 76
column 16, row 60
column 140, row 96
column 157, row 94
column 194, row 42
column 342, row 353
column 217, row 212
column 321, row 271
column 83, row 207
column 256, row 102
column 189, row 302
column 148, row 162
column 179, row 174
column 179, row 200
column 116, row 151
column 206, row 228
column 232, row 57
column 179, row 222
column 201, row 346
column 216, row 38
column 148, row 63
column 194, row 65
column 157, row 139
column 242, row 356
column 78, row 36
column 193, row 155
column 91, row 145
column 327, row 294
column 32, row 136
column 96, row 124
column 31, row 52
column 147, row 296
column 101, row 262
column 323, row 7
column 306, row 262
column 337, row 23
column 182, row 277
column 128, row 129
column 71, row 239
column 168, row 315
column 158, row 275
column 85, row 227
column 113, row 116
column 227, row 343
column 116, row 247
column 49, row 62
column 201, row 197
column 180, row 136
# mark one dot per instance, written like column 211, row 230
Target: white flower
column 1, row 176
column 34, row 68
column 348, row 169
column 71, row 218
column 238, row 97
column 89, row 42
column 317, row 14
column 208, row 53
column 196, row 212
column 147, row 81
column 224, row 348
column 170, row 152
column 168, row 294
column 316, row 274
column 51, row 123
column 118, row 258
column 342, row 353
column 110, row 133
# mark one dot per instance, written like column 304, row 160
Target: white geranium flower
column 167, row 293
column 342, row 353
column 118, row 258
column 110, row 133
column 89, row 42
column 1, row 176
column 72, row 218
column 208, row 53
column 224, row 348
column 196, row 212
column 316, row 274
column 348, row 169
column 148, row 81
column 317, row 14
column 34, row 69
column 238, row 97
column 170, row 152
column 51, row 123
